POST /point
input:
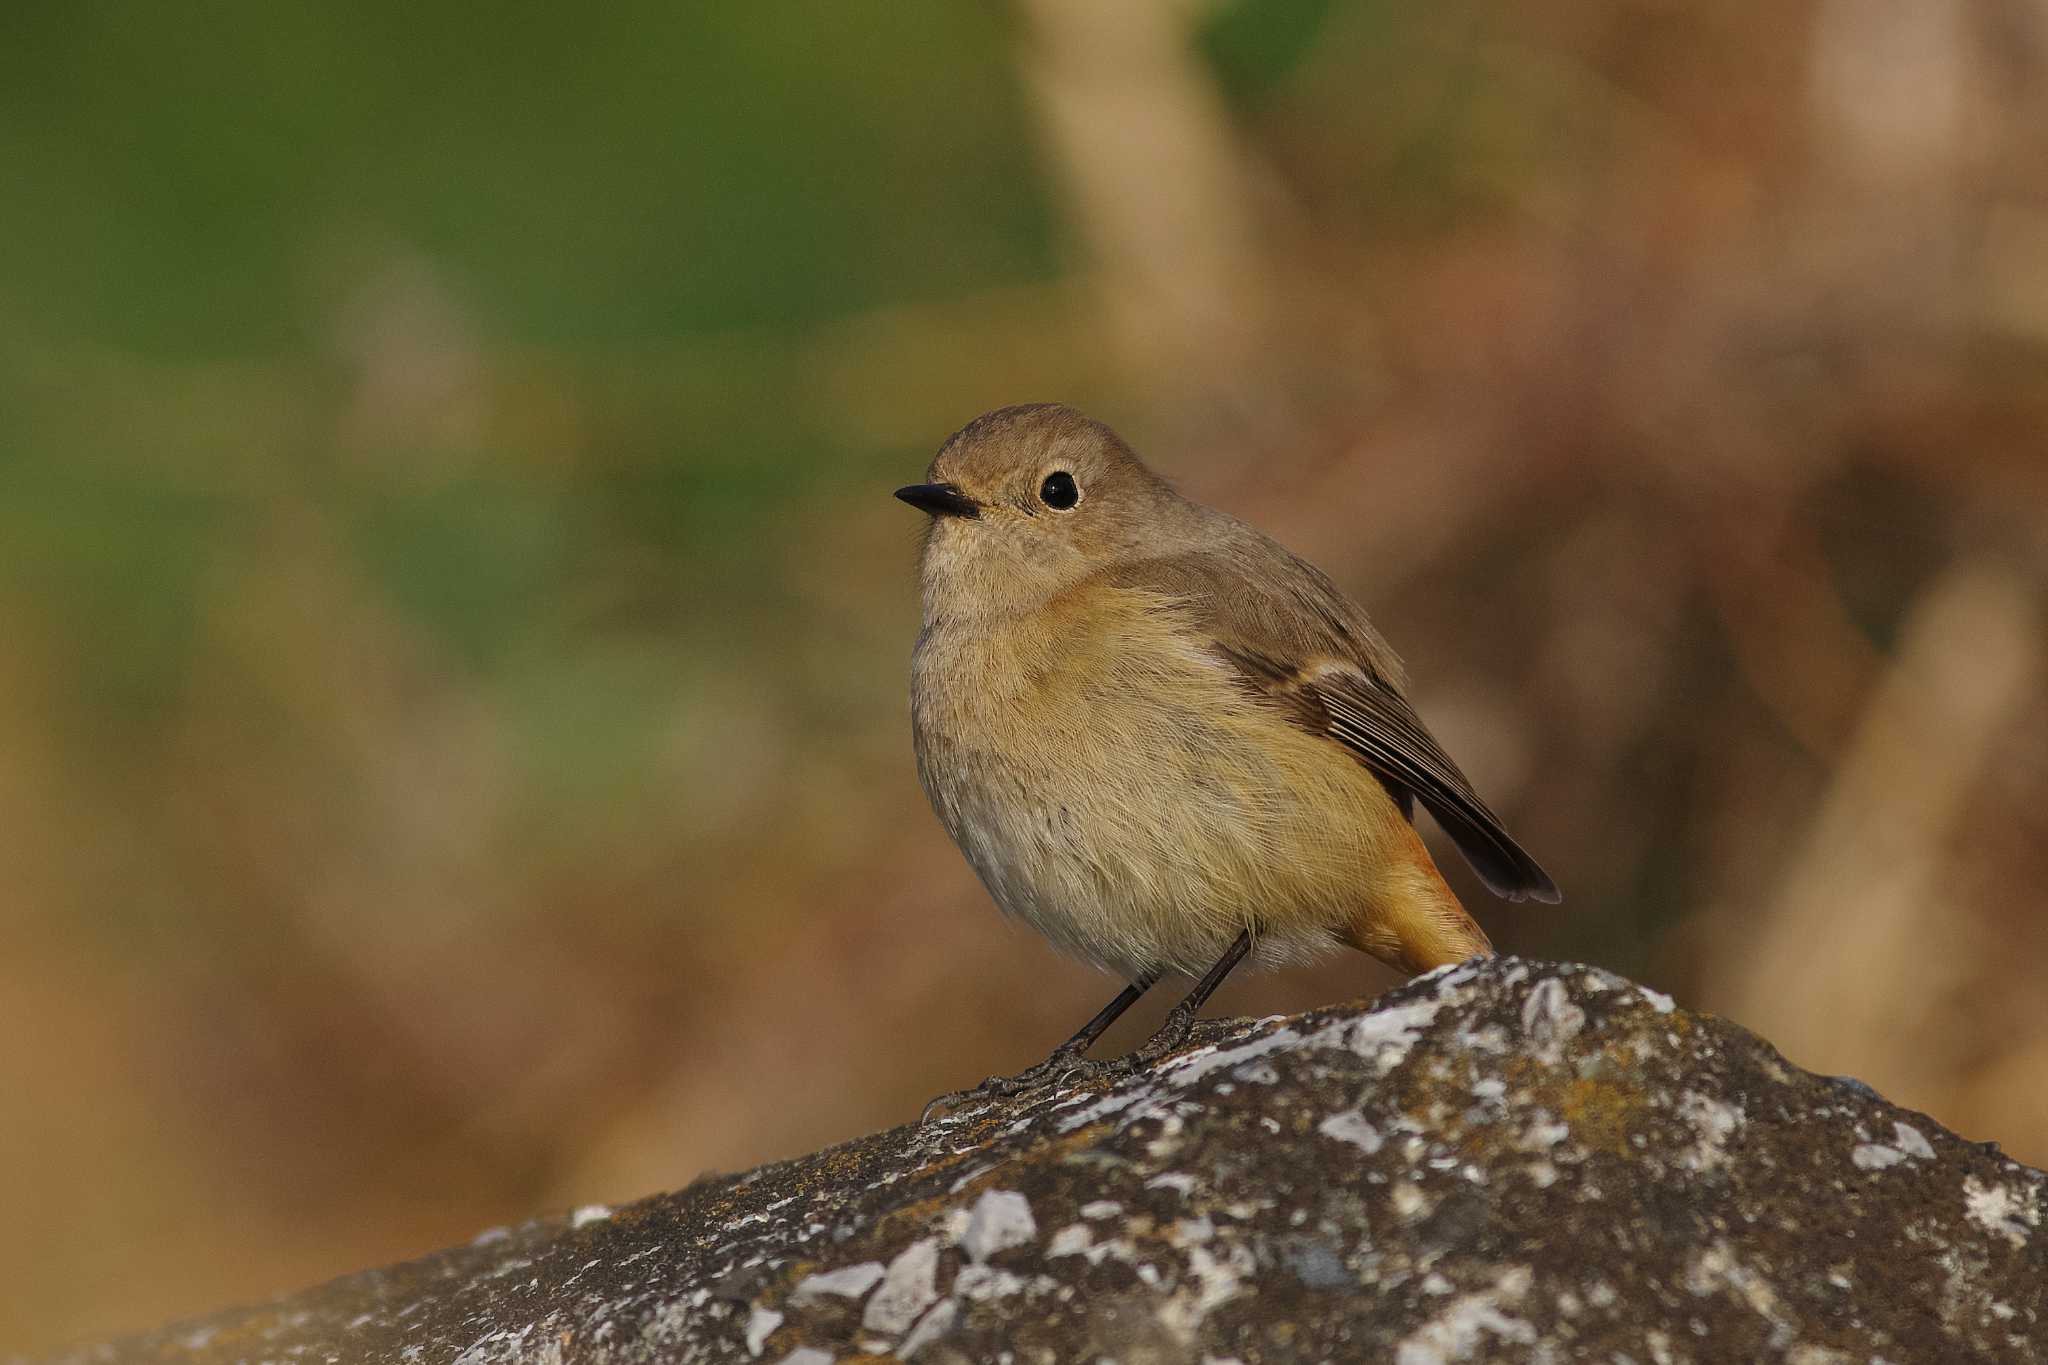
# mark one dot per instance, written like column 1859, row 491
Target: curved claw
column 1056, row 1070
column 1079, row 1068
column 1172, row 1036
column 991, row 1087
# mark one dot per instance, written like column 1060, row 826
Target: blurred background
column 454, row 628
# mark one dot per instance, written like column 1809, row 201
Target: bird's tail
column 1412, row 919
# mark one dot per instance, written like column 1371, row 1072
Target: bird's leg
column 1180, row 1021
column 1065, row 1061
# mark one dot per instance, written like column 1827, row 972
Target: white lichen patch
column 1167, row 1142
column 983, row 1282
column 1071, row 1240
column 2012, row 1214
column 1909, row 1140
column 909, row 1286
column 969, row 1176
column 1410, row 1203
column 848, row 1282
column 1179, row 1182
column 1716, row 1269
column 807, row 1355
column 1486, row 1038
column 761, row 1324
column 588, row 1214
column 1352, row 1127
column 1001, row 1219
column 1385, row 1036
column 1101, row 1208
column 930, row 1328
column 1549, row 1018
column 1212, row 1278
column 1715, row 1122
column 1876, row 1156
column 1108, row 1106
column 1658, row 1001
column 1450, row 975
column 1115, row 1249
column 1202, row 1061
column 1461, row 1330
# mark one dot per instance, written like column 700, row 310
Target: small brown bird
column 1162, row 740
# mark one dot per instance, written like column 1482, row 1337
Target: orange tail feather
column 1413, row 920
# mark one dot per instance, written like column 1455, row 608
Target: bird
column 1164, row 741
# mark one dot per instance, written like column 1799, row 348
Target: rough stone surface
column 1504, row 1161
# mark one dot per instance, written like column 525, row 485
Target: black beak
column 940, row 499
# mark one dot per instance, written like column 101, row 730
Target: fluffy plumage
column 1149, row 727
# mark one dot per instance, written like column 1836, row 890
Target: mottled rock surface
column 1504, row 1161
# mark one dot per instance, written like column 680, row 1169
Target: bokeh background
column 454, row 629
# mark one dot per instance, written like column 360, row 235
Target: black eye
column 1059, row 491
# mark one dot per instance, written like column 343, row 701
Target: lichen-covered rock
column 1503, row 1161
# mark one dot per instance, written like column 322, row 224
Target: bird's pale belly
column 1144, row 827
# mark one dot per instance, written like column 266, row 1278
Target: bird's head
column 1028, row 501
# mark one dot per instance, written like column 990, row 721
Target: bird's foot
column 1064, row 1065
column 1170, row 1038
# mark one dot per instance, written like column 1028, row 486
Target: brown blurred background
column 454, row 759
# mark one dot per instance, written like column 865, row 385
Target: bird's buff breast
column 1117, row 789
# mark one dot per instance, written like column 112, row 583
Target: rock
column 1506, row 1160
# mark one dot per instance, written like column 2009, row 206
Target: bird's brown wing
column 1367, row 716
column 1299, row 643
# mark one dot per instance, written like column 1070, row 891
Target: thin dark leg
column 1109, row 1014
column 1180, row 1022
column 1066, row 1060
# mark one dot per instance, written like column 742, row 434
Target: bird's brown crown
column 1002, row 459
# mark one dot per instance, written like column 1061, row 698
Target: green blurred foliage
column 612, row 174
